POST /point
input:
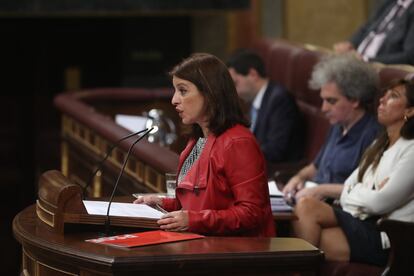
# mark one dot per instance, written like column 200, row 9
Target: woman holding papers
column 222, row 185
column 382, row 186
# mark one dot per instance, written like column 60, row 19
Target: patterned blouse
column 192, row 157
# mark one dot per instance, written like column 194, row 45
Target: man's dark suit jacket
column 279, row 127
column 398, row 46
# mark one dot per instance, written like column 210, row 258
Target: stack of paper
column 122, row 209
column 277, row 202
column 273, row 189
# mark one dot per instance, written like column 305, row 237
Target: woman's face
column 189, row 102
column 393, row 107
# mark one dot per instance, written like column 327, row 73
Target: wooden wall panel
column 323, row 22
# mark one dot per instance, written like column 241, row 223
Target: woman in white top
column 382, row 186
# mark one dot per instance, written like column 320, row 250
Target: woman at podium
column 221, row 183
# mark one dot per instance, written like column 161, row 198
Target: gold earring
column 405, row 118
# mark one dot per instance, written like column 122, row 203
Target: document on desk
column 121, row 209
column 145, row 238
column 277, row 201
column 278, row 204
column 273, row 189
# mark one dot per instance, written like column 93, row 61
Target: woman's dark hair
column 374, row 153
column 212, row 78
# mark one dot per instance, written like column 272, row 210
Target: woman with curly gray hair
column 347, row 88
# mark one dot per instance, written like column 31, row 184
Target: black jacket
column 398, row 46
column 279, row 126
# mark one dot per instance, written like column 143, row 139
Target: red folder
column 145, row 238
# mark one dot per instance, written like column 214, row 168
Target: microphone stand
column 107, row 221
column 100, row 163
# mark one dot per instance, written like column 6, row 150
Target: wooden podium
column 49, row 250
column 60, row 202
column 46, row 252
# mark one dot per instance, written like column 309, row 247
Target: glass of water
column 171, row 183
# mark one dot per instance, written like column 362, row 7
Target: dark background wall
column 106, row 44
column 49, row 46
column 35, row 54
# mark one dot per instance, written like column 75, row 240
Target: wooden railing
column 89, row 130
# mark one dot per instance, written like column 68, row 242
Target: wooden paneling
column 89, row 132
column 323, row 22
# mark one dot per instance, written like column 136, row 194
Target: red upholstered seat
column 388, row 73
column 281, row 61
column 316, row 128
column 291, row 65
column 301, row 73
column 263, row 47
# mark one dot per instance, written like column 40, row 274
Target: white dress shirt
column 257, row 102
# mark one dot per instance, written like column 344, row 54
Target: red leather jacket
column 225, row 192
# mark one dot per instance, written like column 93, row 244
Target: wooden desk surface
column 48, row 253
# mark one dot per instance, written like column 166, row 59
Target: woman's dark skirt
column 363, row 237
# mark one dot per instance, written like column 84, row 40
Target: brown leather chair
column 301, row 74
column 292, row 65
column 401, row 237
column 388, row 73
column 281, row 61
column 262, row 47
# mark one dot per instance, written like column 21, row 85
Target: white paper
column 131, row 122
column 273, row 189
column 121, row 209
column 278, row 204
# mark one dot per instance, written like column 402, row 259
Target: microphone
column 100, row 163
column 107, row 220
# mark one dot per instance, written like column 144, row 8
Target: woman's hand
column 174, row 221
column 294, row 184
column 315, row 192
column 149, row 200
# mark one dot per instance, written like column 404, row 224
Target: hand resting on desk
column 173, row 221
column 149, row 200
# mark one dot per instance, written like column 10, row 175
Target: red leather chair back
column 281, row 61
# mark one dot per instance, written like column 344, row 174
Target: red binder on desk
column 145, row 238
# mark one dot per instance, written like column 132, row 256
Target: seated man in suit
column 275, row 119
column 388, row 35
column 347, row 88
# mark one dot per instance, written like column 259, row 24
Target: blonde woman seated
column 382, row 186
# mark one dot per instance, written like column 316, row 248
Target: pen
column 159, row 208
